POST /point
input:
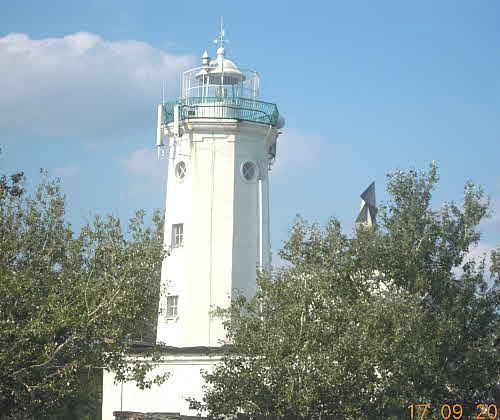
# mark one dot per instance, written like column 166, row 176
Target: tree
column 364, row 326
column 70, row 303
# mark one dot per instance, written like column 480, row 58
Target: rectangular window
column 172, row 306
column 177, row 234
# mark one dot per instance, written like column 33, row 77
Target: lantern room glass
column 200, row 83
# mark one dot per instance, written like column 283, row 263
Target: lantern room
column 220, row 78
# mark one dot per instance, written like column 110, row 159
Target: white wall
column 185, row 381
column 220, row 213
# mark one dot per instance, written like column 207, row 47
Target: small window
column 180, row 170
column 177, row 234
column 249, row 170
column 172, row 306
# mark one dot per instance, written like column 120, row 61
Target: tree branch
column 86, row 287
column 47, row 362
column 104, row 303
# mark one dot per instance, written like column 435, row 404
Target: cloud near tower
column 81, row 85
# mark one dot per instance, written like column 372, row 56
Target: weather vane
column 220, row 38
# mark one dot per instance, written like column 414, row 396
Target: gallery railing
column 225, row 108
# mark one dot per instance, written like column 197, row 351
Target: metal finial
column 205, row 59
column 222, row 33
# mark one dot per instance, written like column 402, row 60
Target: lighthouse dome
column 226, row 68
column 220, row 77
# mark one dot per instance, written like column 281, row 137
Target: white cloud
column 480, row 251
column 144, row 162
column 146, row 171
column 297, row 149
column 67, row 171
column 82, row 85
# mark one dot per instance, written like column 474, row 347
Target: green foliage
column 495, row 265
column 363, row 326
column 69, row 301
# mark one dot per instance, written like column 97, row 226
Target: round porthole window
column 180, row 170
column 249, row 170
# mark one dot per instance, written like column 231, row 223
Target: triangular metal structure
column 368, row 212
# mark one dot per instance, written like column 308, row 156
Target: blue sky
column 365, row 87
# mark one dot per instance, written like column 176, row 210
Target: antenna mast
column 222, row 33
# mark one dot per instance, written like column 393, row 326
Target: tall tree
column 69, row 301
column 364, row 326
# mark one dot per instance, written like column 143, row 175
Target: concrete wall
column 220, row 213
column 185, row 381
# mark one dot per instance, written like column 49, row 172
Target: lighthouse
column 219, row 139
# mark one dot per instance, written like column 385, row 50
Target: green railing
column 223, row 108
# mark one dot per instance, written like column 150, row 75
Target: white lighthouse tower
column 220, row 142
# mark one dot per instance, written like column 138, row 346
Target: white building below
column 185, row 381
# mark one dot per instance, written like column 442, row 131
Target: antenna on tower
column 160, row 145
